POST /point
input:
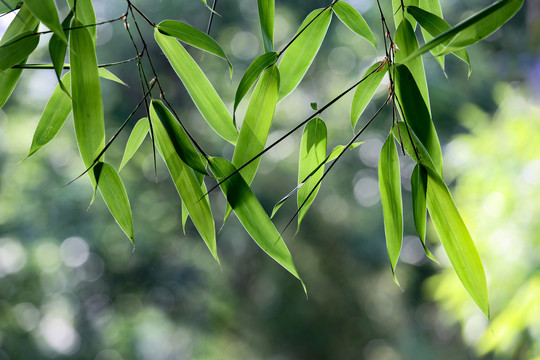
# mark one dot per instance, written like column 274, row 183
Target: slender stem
column 211, row 17
column 67, row 66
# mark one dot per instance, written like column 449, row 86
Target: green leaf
column 433, row 25
column 9, row 5
column 194, row 37
column 457, row 241
column 341, row 148
column 58, row 49
column 86, row 95
column 300, row 54
column 24, row 21
column 267, row 9
column 473, row 29
column 312, row 153
column 115, row 196
column 191, row 190
column 185, row 216
column 354, row 21
column 433, row 7
column 252, row 74
column 417, row 115
column 252, row 215
column 417, row 152
column 419, row 189
column 16, row 50
column 390, row 188
column 137, row 136
column 45, row 11
column 365, row 91
column 106, row 74
column 257, row 120
column 178, row 137
column 85, row 14
column 398, row 11
column 199, row 88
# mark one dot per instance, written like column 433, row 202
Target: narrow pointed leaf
column 252, row 74
column 390, row 188
column 115, row 196
column 86, row 95
column 194, row 37
column 267, row 9
column 257, row 121
column 58, row 49
column 182, row 144
column 299, row 56
column 85, row 14
column 45, row 11
column 191, row 191
column 433, row 7
column 457, row 241
column 365, row 91
column 473, row 29
column 354, row 21
column 137, row 136
column 17, row 49
column 312, row 153
column 398, row 11
column 106, row 74
column 252, row 215
column 199, row 88
column 9, row 5
column 419, row 190
column 185, row 216
column 280, row 203
column 417, row 152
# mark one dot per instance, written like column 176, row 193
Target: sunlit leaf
column 58, row 49
column 417, row 152
column 390, row 188
column 299, row 56
column 354, row 21
column 137, row 136
column 106, row 74
column 194, row 37
column 419, row 189
column 16, row 50
column 433, row 7
column 252, row 215
column 457, row 241
column 199, row 88
column 398, row 11
column 312, row 153
column 252, row 74
column 45, row 11
column 267, row 9
column 85, row 14
column 115, row 196
column 365, row 91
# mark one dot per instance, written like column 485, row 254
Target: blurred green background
column 73, row 286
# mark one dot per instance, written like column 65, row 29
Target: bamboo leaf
column 354, row 21
column 312, row 153
column 252, row 74
column 115, row 196
column 390, row 188
column 106, row 74
column 199, row 88
column 257, row 121
column 457, row 241
column 365, row 91
column 417, row 152
column 9, row 5
column 434, row 7
column 252, row 215
column 137, row 136
column 191, row 191
column 419, row 181
column 194, row 37
column 267, row 9
column 85, row 14
column 182, row 144
column 58, row 49
column 473, row 29
column 45, row 11
column 398, row 11
column 300, row 54
column 17, row 49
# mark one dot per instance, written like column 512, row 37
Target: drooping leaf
column 86, row 95
column 115, row 196
column 24, row 21
column 252, row 215
column 419, row 190
column 365, row 91
column 432, row 26
column 300, row 54
column 9, row 5
column 137, row 136
column 252, row 74
column 199, row 88
column 457, row 241
column 417, row 114
column 417, row 152
column 58, row 48
column 390, row 188
column 354, row 21
column 398, row 11
column 191, row 191
column 339, row 149
column 312, row 153
column 85, row 14
column 106, row 74
column 433, row 7
column 45, row 11
column 178, row 137
column 473, row 29
column 257, row 120
column 16, row 50
column 194, row 37
column 267, row 9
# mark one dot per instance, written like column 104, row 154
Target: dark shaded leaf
column 16, row 50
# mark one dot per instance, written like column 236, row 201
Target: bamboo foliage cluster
column 270, row 78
